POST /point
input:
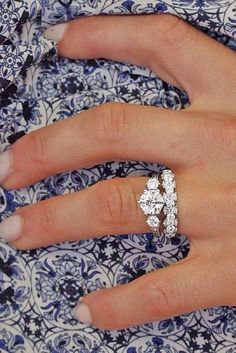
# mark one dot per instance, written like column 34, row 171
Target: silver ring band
column 170, row 198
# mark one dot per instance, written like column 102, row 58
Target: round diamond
column 170, row 199
column 168, row 182
column 151, row 202
column 170, row 217
column 167, row 175
column 167, row 172
column 170, row 224
column 169, row 189
column 168, row 210
column 170, row 229
column 152, row 183
column 153, row 222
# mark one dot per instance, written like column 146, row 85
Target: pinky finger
column 175, row 290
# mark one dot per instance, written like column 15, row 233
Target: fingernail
column 56, row 32
column 5, row 165
column 10, row 228
column 82, row 313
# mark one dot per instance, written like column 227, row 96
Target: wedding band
column 159, row 201
column 170, row 198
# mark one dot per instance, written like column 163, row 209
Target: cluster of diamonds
column 170, row 199
column 152, row 203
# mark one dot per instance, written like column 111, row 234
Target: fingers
column 110, row 207
column 107, row 207
column 180, row 288
column 107, row 132
column 175, row 50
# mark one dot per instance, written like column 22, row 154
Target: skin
column 198, row 144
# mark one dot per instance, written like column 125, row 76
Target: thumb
column 183, row 287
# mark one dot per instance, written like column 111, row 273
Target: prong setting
column 155, row 202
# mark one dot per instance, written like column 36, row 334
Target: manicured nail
column 5, row 165
column 10, row 228
column 82, row 313
column 56, row 32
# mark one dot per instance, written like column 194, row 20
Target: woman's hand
column 198, row 144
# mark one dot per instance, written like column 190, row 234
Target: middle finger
column 107, row 132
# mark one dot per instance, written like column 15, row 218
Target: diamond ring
column 159, row 203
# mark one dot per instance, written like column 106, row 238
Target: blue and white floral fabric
column 38, row 288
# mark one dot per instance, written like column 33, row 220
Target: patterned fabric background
column 38, row 288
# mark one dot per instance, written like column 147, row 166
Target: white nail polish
column 82, row 313
column 56, row 32
column 5, row 165
column 10, row 228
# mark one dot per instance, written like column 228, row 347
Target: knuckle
column 229, row 194
column 216, row 137
column 171, row 29
column 115, row 201
column 161, row 297
column 46, row 216
column 38, row 148
column 228, row 134
column 115, row 124
column 222, row 132
column 110, row 318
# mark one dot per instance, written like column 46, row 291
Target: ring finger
column 108, row 207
